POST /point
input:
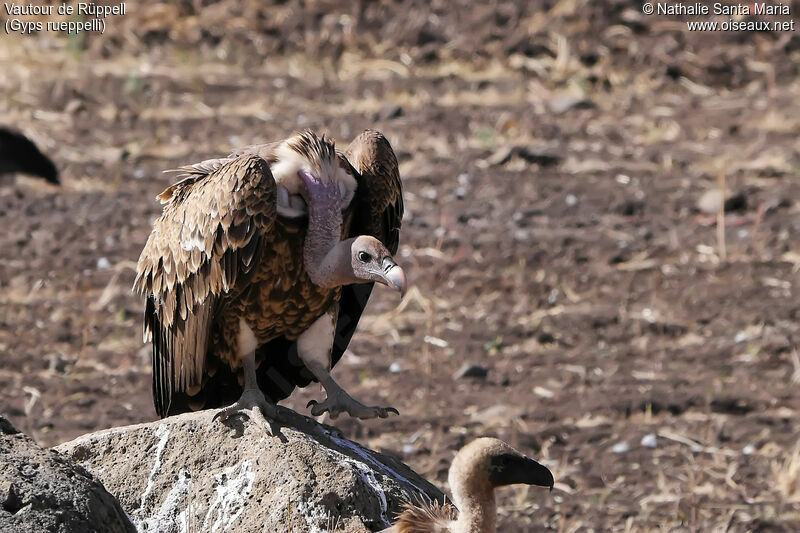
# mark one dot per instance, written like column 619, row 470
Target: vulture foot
column 255, row 406
column 339, row 401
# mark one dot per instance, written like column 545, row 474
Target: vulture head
column 307, row 169
column 371, row 261
column 487, row 463
column 314, row 180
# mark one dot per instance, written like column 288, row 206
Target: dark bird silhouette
column 19, row 154
column 259, row 268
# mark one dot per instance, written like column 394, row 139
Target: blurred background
column 576, row 289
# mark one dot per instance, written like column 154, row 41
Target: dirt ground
column 559, row 163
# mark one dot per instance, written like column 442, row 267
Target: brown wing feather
column 201, row 247
column 378, row 205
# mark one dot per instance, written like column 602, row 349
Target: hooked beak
column 394, row 275
column 520, row 469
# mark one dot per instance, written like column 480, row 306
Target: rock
column 534, row 155
column 563, row 102
column 190, row 473
column 709, row 201
column 649, row 441
column 468, row 370
column 42, row 491
column 621, row 447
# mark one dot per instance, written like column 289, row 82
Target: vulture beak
column 394, row 275
column 510, row 469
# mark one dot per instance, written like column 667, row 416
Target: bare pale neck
column 477, row 513
column 325, row 255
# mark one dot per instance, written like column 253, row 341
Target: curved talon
column 254, row 406
column 349, row 406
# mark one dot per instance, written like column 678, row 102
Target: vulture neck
column 477, row 510
column 326, row 256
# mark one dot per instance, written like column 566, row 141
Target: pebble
column 571, row 200
column 749, row 449
column 621, row 447
column 650, row 441
column 103, row 263
column 395, row 367
column 471, row 371
column 709, row 201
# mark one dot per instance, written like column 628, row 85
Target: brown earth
column 554, row 155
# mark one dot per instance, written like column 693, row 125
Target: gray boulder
column 41, row 491
column 189, row 473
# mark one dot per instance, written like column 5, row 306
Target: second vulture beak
column 394, row 275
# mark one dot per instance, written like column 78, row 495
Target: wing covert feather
column 205, row 242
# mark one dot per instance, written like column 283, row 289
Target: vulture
column 19, row 154
column 257, row 272
column 477, row 469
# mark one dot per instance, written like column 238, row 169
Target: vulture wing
column 377, row 210
column 202, row 247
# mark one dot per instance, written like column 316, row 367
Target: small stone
column 709, row 201
column 471, row 371
column 749, row 449
column 553, row 296
column 621, row 447
column 562, row 103
column 650, row 441
column 103, row 263
column 395, row 367
column 571, row 200
column 56, row 363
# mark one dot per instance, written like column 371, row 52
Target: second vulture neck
column 477, row 510
column 325, row 255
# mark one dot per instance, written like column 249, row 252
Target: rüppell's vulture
column 19, row 154
column 259, row 268
column 478, row 468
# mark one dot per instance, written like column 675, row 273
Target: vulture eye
column 364, row 257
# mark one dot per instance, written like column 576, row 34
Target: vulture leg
column 252, row 399
column 314, row 348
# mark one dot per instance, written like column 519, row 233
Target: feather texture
column 425, row 518
column 194, row 256
column 220, row 252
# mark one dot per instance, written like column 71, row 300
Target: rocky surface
column 190, row 473
column 42, row 491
